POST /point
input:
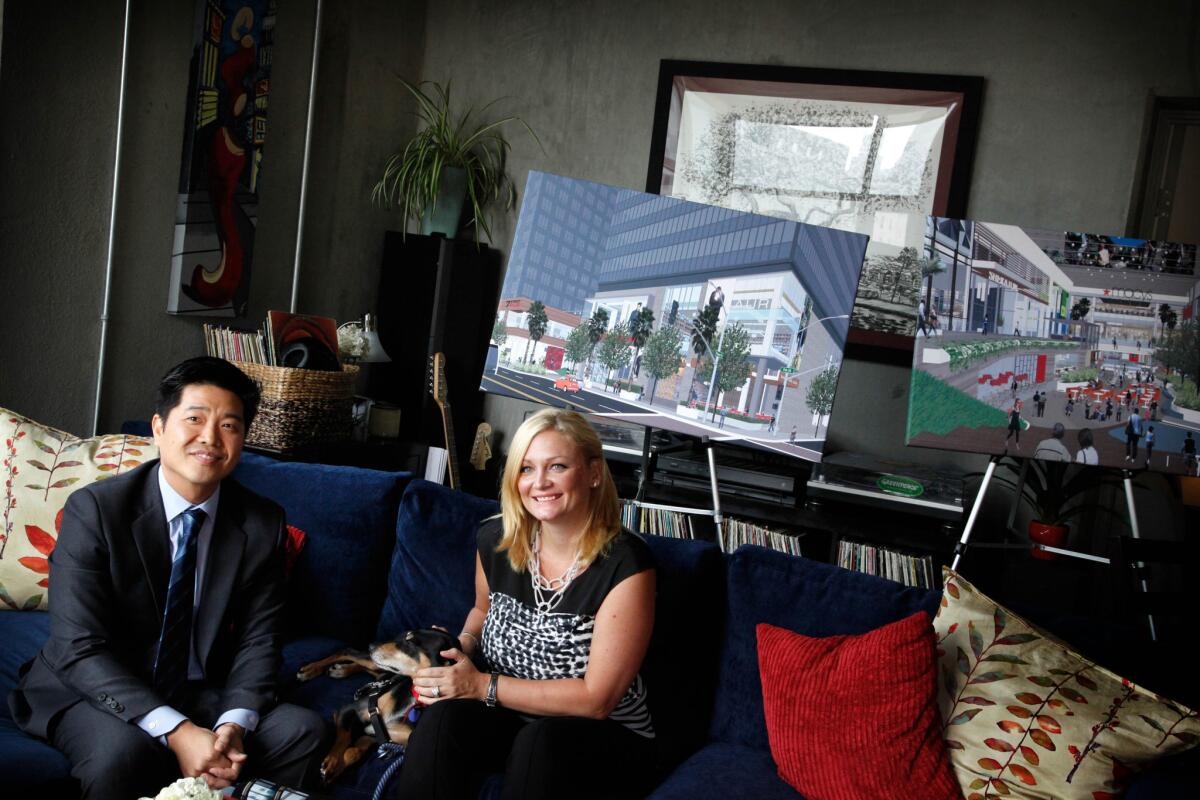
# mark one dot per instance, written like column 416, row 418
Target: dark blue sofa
column 386, row 553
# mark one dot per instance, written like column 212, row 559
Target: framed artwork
column 224, row 135
column 847, row 149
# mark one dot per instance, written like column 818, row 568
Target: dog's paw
column 343, row 669
column 308, row 672
column 331, row 767
column 353, row 756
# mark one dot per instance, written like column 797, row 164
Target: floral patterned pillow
column 1026, row 717
column 40, row 467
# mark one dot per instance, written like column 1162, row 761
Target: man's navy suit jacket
column 108, row 587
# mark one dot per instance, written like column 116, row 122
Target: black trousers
column 457, row 743
column 115, row 760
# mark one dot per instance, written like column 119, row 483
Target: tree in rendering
column 499, row 332
column 597, row 325
column 579, row 346
column 734, row 367
column 615, row 350
column 1081, row 308
column 536, row 322
column 819, row 397
column 661, row 357
column 1168, row 317
column 640, row 329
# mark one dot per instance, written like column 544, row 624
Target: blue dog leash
column 387, row 749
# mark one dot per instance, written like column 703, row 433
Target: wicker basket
column 300, row 406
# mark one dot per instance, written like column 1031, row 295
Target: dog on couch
column 383, row 710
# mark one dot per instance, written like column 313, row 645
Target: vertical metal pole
column 961, row 547
column 643, row 480
column 308, row 126
column 1133, row 528
column 718, row 519
column 112, row 226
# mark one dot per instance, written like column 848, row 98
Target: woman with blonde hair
column 564, row 608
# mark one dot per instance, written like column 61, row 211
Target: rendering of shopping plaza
column 1026, row 338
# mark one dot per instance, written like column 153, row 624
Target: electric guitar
column 438, row 389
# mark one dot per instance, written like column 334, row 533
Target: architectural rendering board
column 1052, row 345
column 615, row 302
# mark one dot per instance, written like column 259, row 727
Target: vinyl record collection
column 891, row 564
column 658, row 521
column 739, row 532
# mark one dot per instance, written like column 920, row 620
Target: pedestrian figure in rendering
column 1052, row 447
column 1070, row 405
column 1041, row 403
column 921, row 319
column 792, row 436
column 1133, row 432
column 1149, row 444
column 1108, row 410
column 1189, row 453
column 1014, row 424
column 1153, row 409
column 1087, row 452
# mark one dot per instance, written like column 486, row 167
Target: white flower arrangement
column 187, row 789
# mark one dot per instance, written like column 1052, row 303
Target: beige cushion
column 1034, row 719
column 40, row 469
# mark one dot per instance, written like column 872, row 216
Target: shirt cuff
column 161, row 721
column 241, row 716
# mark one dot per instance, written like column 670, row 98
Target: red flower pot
column 1052, row 535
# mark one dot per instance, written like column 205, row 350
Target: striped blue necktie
column 175, row 641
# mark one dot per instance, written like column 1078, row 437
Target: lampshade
column 375, row 352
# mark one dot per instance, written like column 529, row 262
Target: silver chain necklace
column 556, row 586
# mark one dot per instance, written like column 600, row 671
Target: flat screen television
column 1045, row 344
column 675, row 315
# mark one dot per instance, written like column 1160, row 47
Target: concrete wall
column 1067, row 85
column 59, row 88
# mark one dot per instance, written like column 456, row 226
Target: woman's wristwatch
column 490, row 698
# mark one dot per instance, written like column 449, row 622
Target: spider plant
column 412, row 177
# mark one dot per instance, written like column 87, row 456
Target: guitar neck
column 451, row 450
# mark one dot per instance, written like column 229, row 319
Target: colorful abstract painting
column 224, row 133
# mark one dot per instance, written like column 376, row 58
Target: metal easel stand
column 648, row 460
column 961, row 547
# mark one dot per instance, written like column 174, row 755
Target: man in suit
column 166, row 601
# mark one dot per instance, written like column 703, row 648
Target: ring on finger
column 437, row 691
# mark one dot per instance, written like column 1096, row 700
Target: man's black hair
column 207, row 371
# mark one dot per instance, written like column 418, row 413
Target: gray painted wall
column 1062, row 120
column 58, row 97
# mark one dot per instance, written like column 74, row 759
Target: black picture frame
column 961, row 95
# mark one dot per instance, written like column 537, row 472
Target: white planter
column 1062, row 387
column 687, row 411
column 935, row 355
column 627, row 395
column 1188, row 414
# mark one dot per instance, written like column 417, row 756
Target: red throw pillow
column 851, row 717
column 295, row 543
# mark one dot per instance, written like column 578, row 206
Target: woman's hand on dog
column 457, row 682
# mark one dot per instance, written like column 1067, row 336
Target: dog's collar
column 373, row 691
